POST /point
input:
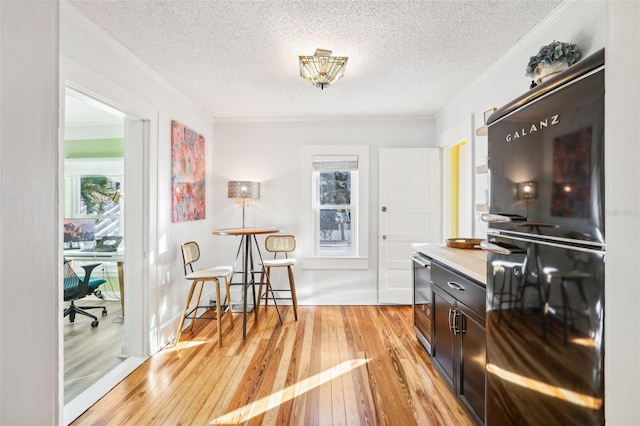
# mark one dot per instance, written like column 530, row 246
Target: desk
column 102, row 256
column 246, row 248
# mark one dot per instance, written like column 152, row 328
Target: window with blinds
column 335, row 211
column 335, row 183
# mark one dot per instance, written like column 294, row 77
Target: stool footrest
column 223, row 308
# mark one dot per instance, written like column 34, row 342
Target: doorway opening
column 94, row 183
column 456, row 195
column 103, row 189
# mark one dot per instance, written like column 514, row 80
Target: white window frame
column 352, row 206
column 358, row 258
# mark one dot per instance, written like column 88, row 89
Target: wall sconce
column 527, row 190
column 567, row 187
column 243, row 193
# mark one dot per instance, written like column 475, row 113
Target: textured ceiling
column 240, row 58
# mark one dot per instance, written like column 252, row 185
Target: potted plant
column 95, row 190
column 551, row 59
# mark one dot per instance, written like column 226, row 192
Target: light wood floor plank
column 90, row 353
column 353, row 365
column 299, row 370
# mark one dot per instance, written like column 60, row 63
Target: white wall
column 29, row 253
column 622, row 213
column 271, row 152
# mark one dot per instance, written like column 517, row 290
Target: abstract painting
column 187, row 174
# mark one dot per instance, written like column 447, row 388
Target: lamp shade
column 322, row 69
column 243, row 190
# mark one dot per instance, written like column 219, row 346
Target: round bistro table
column 247, row 243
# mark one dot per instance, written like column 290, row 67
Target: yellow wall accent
column 454, row 208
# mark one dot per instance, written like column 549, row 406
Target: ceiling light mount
column 322, row 69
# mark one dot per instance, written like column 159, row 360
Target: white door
column 409, row 212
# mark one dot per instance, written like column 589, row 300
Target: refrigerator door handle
column 500, row 218
column 494, row 248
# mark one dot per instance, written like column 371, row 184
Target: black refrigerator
column 546, row 252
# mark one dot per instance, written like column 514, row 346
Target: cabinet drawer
column 462, row 288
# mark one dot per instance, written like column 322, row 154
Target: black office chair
column 76, row 288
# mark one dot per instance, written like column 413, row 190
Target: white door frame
column 140, row 213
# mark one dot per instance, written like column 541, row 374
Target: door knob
column 384, row 209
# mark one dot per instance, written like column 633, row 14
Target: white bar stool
column 279, row 244
column 190, row 254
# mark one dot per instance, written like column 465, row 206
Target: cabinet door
column 443, row 338
column 472, row 357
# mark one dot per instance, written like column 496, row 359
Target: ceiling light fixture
column 322, row 69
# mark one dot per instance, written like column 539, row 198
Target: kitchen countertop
column 470, row 262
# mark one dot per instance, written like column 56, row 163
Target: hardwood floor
column 338, row 365
column 90, row 353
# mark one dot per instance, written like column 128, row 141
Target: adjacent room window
column 94, row 189
column 336, row 222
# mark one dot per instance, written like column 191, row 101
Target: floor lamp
column 243, row 193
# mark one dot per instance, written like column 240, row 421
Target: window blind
column 335, row 162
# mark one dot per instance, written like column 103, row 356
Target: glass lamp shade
column 242, row 191
column 322, row 69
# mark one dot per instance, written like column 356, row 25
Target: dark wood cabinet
column 444, row 343
column 473, row 349
column 459, row 343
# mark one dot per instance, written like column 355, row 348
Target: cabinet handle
column 455, row 322
column 454, row 314
column 455, row 286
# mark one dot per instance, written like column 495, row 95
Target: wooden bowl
column 464, row 243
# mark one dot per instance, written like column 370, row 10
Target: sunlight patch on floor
column 265, row 404
column 584, row 341
column 186, row 344
column 546, row 389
